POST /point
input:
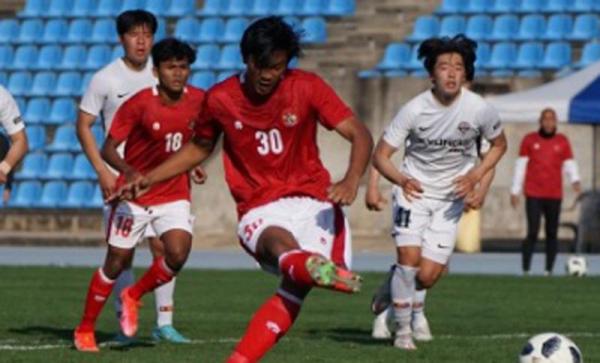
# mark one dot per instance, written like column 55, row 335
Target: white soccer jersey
column 10, row 116
column 112, row 86
column 441, row 140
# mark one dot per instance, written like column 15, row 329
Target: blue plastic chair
column 395, row 57
column 79, row 31
column 107, row 8
column 581, row 6
column 83, row 8
column 53, row 193
column 529, row 56
column 63, row 111
column 97, row 201
column 31, row 31
column 187, row 29
column 288, row 7
column 223, row 75
column 130, row 5
column 451, row 7
column 97, row 57
column 104, row 32
column 529, row 73
column 554, row 6
column 479, row 27
column 234, row 29
column 54, row 31
column 315, row 30
column 26, row 194
column 557, row 55
column 478, row 6
column 68, row 84
column 211, row 29
column 19, row 83
column 590, row 54
column 3, row 79
column 9, row 30
column 78, row 195
column 181, row 8
column 43, row 84
column 341, row 8
column 213, row 8
column 21, row 103
column 262, row 8
column 161, row 29
column 483, row 53
column 230, row 59
column 502, row 73
column 49, row 57
column 313, row 8
column 414, row 63
column 237, row 8
column 85, row 82
column 117, row 52
column 532, row 27
column 25, row 57
column 6, row 56
column 59, row 8
column 64, row 140
column 34, row 9
column 502, row 56
column 585, row 27
column 505, row 28
column 203, row 79
column 504, row 6
column 425, row 27
column 37, row 110
column 530, row 6
column 559, row 26
column 452, row 25
column 82, row 169
column 157, row 7
column 36, row 137
column 207, row 57
column 73, row 58
column 34, row 165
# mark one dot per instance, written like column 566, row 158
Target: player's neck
column 169, row 97
column 444, row 99
column 134, row 66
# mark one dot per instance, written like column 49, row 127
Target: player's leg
column 551, row 219
column 533, row 212
column 381, row 307
column 403, row 287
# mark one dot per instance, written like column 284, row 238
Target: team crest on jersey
column 238, row 125
column 156, row 126
column 289, row 119
column 464, row 127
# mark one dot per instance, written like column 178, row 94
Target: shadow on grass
column 347, row 335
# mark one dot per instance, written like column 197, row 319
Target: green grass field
column 474, row 319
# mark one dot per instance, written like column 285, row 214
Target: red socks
column 270, row 322
column 98, row 292
column 293, row 266
column 158, row 274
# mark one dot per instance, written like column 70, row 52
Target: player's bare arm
column 374, row 200
column 382, row 160
column 475, row 199
column 112, row 157
column 17, row 151
column 344, row 191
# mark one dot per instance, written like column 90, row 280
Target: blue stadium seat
column 315, row 30
column 502, row 56
column 340, row 8
column 478, row 6
column 130, row 5
column 557, row 55
column 234, row 29
column 103, row 32
column 85, row 82
column 59, row 8
column 395, row 73
column 117, row 52
column 263, row 7
column 31, row 31
column 54, row 31
column 26, row 195
column 581, row 6
column 414, row 63
column 214, row 8
column 6, row 56
column 288, row 7
column 554, row 6
column 43, row 84
column 36, row 137
column 25, row 57
column 293, row 21
column 9, row 31
column 3, row 78
column 451, row 7
column 49, row 57
column 425, row 27
column 78, row 195
column 187, row 29
column 585, row 27
column 107, row 8
column 98, row 133
column 63, row 111
column 237, row 8
column 313, row 8
column 505, row 28
column 203, row 79
column 97, row 57
column 79, row 31
column 181, row 8
column 73, row 58
column 452, row 25
column 37, row 110
column 369, row 74
column 161, row 29
column 34, row 9
column 559, row 26
column 479, row 27
column 532, row 27
column 483, row 52
column 504, row 6
column 502, row 73
column 65, row 139
column 211, row 29
column 157, row 7
column 230, row 59
column 395, row 57
column 83, row 8
column 53, row 193
column 207, row 56
column 529, row 56
column 590, row 54
column 34, row 165
column 21, row 103
column 221, row 76
column 530, row 6
column 82, row 169
column 97, row 201
column 529, row 73
column 19, row 83
column 68, row 84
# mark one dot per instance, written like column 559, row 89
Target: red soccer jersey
column 270, row 150
column 153, row 131
column 543, row 177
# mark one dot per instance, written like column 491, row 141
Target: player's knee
column 426, row 279
column 176, row 260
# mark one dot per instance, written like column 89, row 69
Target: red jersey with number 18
column 270, row 150
column 153, row 131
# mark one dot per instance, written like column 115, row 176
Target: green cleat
column 327, row 275
column 170, row 334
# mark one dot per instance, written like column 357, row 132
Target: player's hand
column 198, row 175
column 474, row 200
column 343, row 192
column 465, row 184
column 514, row 200
column 107, row 181
column 374, row 200
column 412, row 189
column 131, row 190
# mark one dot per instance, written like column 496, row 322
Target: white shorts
column 148, row 233
column 128, row 222
column 427, row 223
column 318, row 227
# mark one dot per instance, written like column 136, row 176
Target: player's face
column 137, row 43
column 173, row 74
column 548, row 122
column 263, row 80
column 449, row 75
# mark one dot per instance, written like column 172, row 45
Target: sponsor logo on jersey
column 443, row 142
column 17, row 120
column 156, row 126
column 290, row 119
column 536, row 146
column 464, row 127
column 421, row 128
column 121, row 95
column 238, row 125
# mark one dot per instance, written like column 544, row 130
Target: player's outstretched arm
column 382, row 160
column 344, row 191
column 16, row 152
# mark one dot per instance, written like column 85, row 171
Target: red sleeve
column 524, row 150
column 125, row 119
column 568, row 151
column 207, row 126
column 330, row 107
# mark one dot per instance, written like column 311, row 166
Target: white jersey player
column 438, row 130
column 13, row 125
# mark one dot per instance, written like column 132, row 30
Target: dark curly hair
column 266, row 35
column 432, row 48
column 172, row 48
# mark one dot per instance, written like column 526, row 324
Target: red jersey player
column 155, row 123
column 290, row 215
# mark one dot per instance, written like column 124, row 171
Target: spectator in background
column 542, row 158
column 4, row 146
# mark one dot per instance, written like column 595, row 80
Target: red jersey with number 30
column 153, row 131
column 270, row 150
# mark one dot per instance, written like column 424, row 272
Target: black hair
column 171, row 48
column 267, row 35
column 129, row 19
column 432, row 48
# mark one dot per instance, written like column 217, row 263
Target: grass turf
column 474, row 318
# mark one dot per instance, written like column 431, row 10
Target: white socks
column 403, row 293
column 163, row 297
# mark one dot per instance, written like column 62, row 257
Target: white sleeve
column 10, row 116
column 570, row 168
column 397, row 131
column 94, row 97
column 490, row 124
column 519, row 175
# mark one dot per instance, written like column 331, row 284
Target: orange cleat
column 85, row 341
column 129, row 314
column 327, row 275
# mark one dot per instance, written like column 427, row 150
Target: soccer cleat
column 405, row 342
column 327, row 275
column 382, row 298
column 421, row 330
column 170, row 334
column 122, row 340
column 380, row 326
column 85, row 341
column 129, row 315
